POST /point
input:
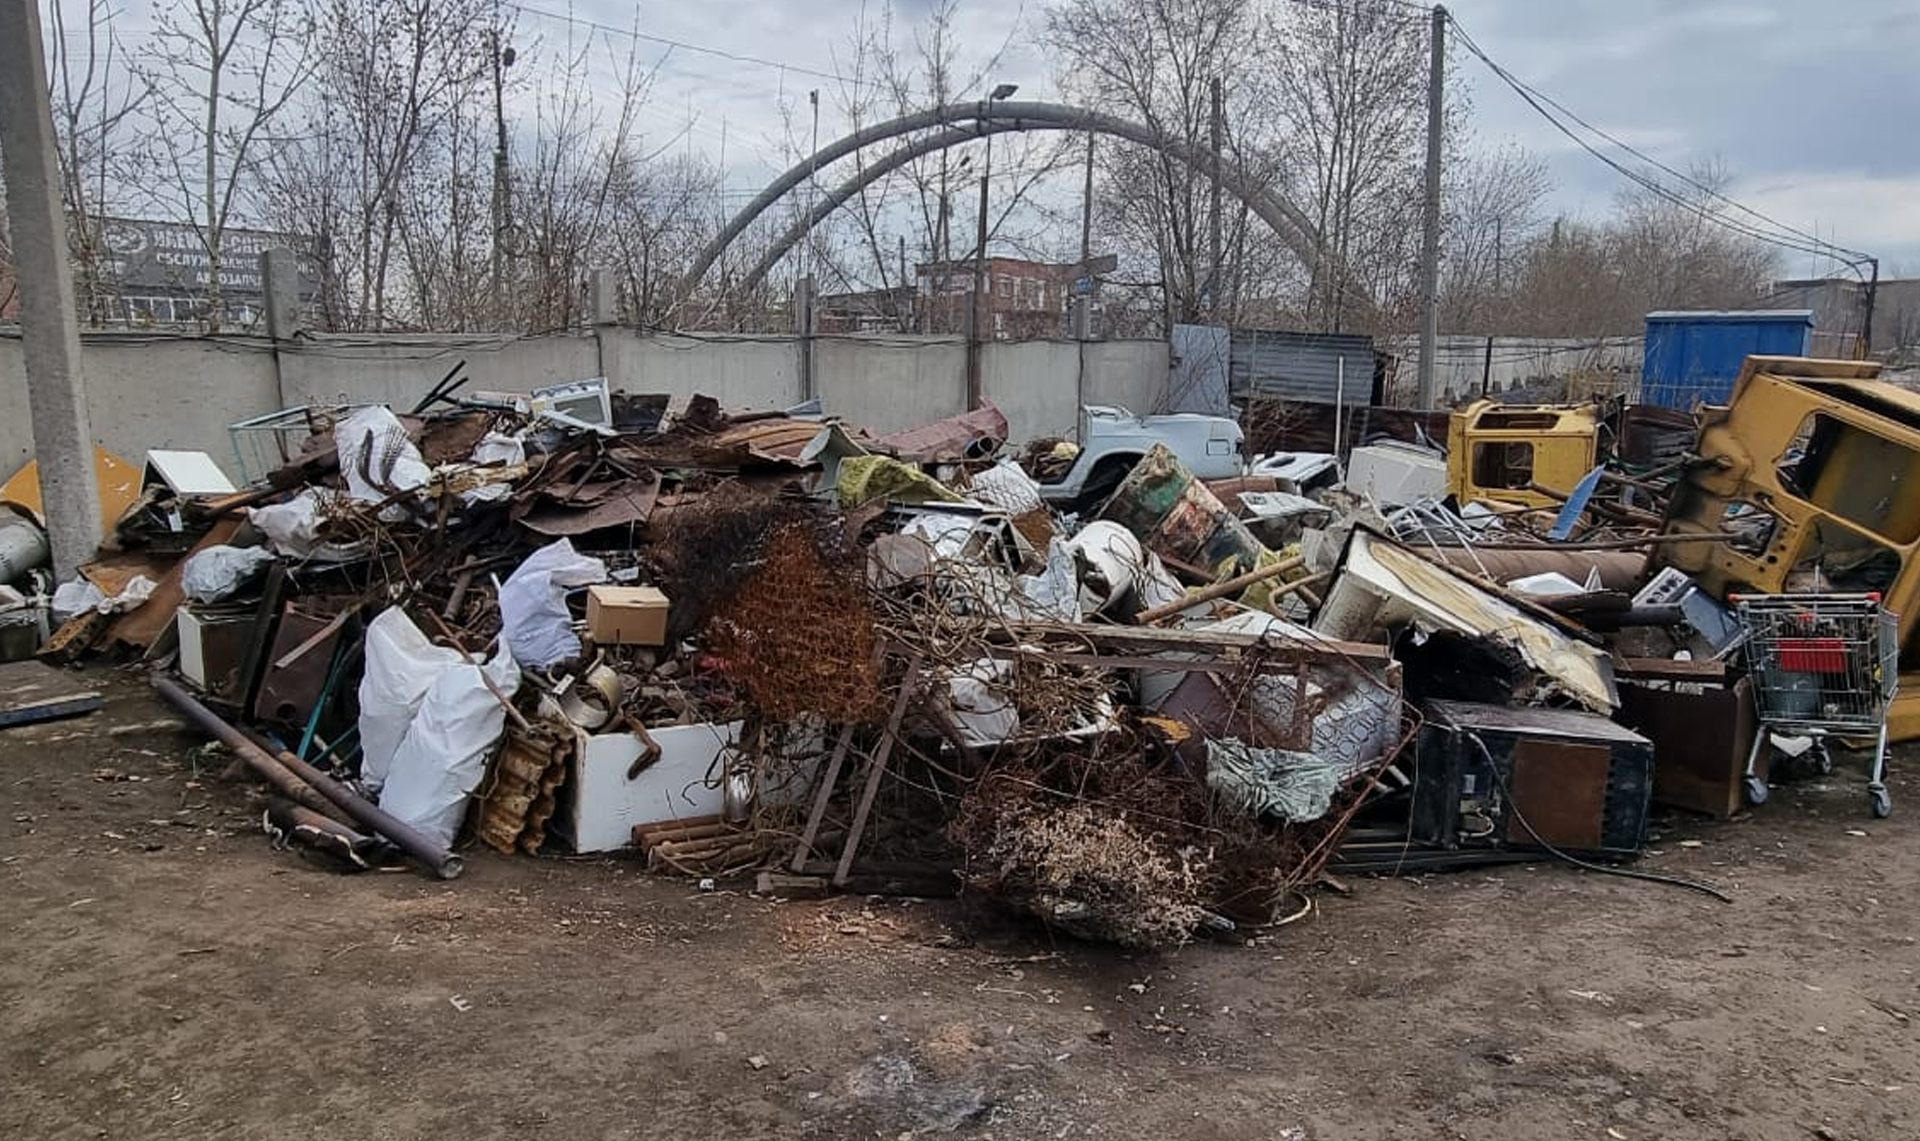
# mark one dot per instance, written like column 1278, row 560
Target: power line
column 701, row 49
column 1540, row 102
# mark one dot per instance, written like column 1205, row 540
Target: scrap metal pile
column 773, row 645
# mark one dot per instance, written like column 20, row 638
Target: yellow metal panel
column 119, row 487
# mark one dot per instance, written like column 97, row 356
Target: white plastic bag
column 534, row 622
column 443, row 756
column 219, row 572
column 401, row 666
column 75, row 596
column 1053, row 594
column 979, row 702
column 375, row 438
column 291, row 527
column 1006, row 485
column 495, row 448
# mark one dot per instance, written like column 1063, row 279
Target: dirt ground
column 165, row 974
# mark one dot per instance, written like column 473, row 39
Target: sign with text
column 170, row 257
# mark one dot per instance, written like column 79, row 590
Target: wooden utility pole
column 1216, row 131
column 49, row 313
column 1430, row 238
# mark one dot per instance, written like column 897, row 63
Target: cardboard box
column 626, row 615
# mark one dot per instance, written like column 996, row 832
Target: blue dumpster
column 1696, row 356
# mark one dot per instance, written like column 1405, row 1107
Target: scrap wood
column 75, row 637
column 1221, row 589
column 144, row 625
column 909, row 691
column 33, row 691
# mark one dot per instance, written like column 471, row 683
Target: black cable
column 1643, row 156
column 1604, row 869
column 1853, row 259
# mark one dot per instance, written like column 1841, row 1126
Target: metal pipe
column 274, row 768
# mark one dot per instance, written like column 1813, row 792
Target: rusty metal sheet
column 970, row 435
column 619, row 504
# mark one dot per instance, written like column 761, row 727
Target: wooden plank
column 31, row 692
column 821, row 797
column 1152, row 639
column 909, row 689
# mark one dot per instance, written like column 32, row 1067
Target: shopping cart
column 1822, row 665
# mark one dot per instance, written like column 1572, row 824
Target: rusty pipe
column 275, row 768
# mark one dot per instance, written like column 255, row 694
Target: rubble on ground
column 777, row 643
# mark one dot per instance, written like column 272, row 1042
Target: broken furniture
column 1571, row 783
column 1700, row 717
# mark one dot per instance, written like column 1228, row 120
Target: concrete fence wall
column 163, row 391
column 1461, row 363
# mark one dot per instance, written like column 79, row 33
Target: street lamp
column 1003, row 91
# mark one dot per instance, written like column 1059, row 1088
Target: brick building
column 1025, row 299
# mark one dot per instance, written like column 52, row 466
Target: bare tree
column 1492, row 202
column 1350, row 93
column 92, row 99
column 389, row 78
column 1154, row 61
column 221, row 72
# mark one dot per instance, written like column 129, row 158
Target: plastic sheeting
column 292, row 527
column 495, row 449
column 534, row 620
column 1006, row 485
column 401, row 667
column 866, row 478
column 1295, row 787
column 443, row 756
column 979, row 702
column 220, row 571
column 378, row 459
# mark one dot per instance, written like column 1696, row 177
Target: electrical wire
column 701, row 49
column 1697, row 185
column 1786, row 236
column 1603, row 869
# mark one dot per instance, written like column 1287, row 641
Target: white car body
column 1113, row 439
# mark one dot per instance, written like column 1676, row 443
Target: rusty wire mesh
column 798, row 633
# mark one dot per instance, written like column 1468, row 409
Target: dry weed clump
column 1088, row 872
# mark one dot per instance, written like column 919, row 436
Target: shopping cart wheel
column 1756, row 790
column 1882, row 803
column 1822, row 758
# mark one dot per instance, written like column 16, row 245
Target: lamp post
column 978, row 298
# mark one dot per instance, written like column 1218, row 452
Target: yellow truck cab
column 1500, row 452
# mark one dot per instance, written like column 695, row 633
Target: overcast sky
column 1810, row 105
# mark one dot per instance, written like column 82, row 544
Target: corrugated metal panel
column 1692, row 357
column 1302, row 366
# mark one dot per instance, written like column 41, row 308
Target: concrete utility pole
column 49, row 318
column 1430, row 239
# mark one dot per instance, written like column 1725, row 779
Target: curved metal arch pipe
column 838, row 196
column 1283, row 217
